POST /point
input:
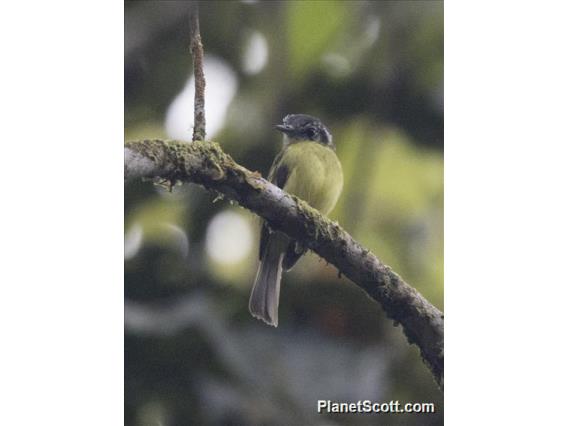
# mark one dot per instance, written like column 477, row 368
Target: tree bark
column 196, row 48
column 205, row 163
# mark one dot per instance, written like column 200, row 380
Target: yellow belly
column 315, row 174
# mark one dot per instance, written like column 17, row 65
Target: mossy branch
column 206, row 164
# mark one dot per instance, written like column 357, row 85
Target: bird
column 307, row 167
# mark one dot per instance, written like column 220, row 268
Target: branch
column 197, row 54
column 204, row 163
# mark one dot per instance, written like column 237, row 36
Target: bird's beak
column 283, row 128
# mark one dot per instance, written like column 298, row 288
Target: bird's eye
column 311, row 132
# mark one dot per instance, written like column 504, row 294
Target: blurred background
column 373, row 72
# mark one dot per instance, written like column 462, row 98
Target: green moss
column 152, row 149
column 316, row 225
column 185, row 154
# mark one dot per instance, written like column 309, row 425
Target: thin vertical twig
column 197, row 53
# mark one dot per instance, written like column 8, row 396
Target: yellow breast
column 315, row 174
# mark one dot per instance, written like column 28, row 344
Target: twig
column 197, row 53
column 206, row 164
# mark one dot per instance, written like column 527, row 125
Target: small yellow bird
column 307, row 167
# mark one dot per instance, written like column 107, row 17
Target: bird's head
column 301, row 128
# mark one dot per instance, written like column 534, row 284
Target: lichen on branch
column 206, row 164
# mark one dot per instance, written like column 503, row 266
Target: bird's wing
column 279, row 172
column 293, row 253
column 278, row 175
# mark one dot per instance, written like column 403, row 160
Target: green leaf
column 312, row 28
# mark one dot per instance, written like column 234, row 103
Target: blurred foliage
column 373, row 72
column 304, row 44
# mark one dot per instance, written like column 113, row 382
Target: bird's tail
column 263, row 303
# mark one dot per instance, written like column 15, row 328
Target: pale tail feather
column 263, row 303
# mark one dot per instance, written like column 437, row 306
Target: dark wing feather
column 264, row 234
column 279, row 172
column 293, row 253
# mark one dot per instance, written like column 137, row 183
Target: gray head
column 301, row 127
